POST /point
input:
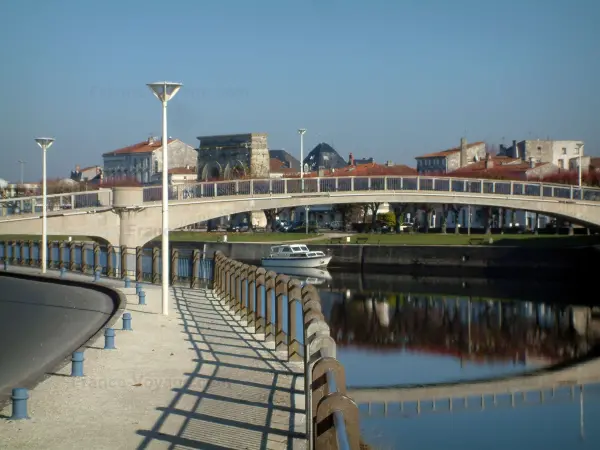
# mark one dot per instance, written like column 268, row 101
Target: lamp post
column 579, row 168
column 301, row 132
column 22, row 163
column 45, row 143
column 165, row 91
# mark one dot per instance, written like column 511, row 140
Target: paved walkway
column 194, row 379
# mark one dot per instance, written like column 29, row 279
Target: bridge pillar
column 127, row 202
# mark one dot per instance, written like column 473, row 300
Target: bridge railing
column 314, row 185
column 56, row 203
column 188, row 267
column 289, row 316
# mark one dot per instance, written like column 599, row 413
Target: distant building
column 177, row 176
column 356, row 162
column 503, row 167
column 279, row 169
column 323, row 156
column 286, row 158
column 144, row 159
column 452, row 159
column 231, row 156
column 563, row 154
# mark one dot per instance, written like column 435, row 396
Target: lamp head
column 164, row 90
column 301, row 131
column 44, row 142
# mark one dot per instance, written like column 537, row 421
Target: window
column 564, row 150
column 577, row 150
column 561, row 163
column 155, row 166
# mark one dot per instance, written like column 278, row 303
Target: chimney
column 389, row 163
column 351, row 159
column 489, row 163
column 515, row 149
column 463, row 152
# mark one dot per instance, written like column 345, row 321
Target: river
column 400, row 331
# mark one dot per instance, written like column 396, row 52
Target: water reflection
column 305, row 275
column 396, row 339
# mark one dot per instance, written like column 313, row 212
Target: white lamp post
column 165, row 91
column 579, row 164
column 45, row 143
column 301, row 132
column 22, row 164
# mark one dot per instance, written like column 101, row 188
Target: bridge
column 131, row 216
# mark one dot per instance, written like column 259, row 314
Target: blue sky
column 382, row 78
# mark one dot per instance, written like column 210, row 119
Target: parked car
column 407, row 226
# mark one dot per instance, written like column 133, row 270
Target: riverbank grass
column 547, row 240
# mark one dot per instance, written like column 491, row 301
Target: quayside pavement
column 193, row 379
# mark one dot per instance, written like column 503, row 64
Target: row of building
column 248, row 155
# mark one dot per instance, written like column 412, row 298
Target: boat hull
column 303, row 263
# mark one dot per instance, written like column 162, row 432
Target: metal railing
column 188, row 267
column 56, row 203
column 289, row 315
column 372, row 184
column 103, row 198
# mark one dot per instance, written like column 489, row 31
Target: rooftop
column 497, row 166
column 278, row 166
column 146, row 146
column 449, row 151
column 371, row 169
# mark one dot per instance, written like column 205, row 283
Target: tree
column 454, row 210
column 271, row 216
column 347, row 211
column 388, row 218
column 400, row 209
column 445, row 212
column 373, row 208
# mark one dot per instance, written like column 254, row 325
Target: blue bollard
column 142, row 298
column 63, row 271
column 127, row 282
column 19, row 404
column 138, row 288
column 77, row 364
column 109, row 339
column 97, row 275
column 127, row 322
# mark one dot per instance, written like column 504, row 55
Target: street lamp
column 579, row 145
column 22, row 163
column 165, row 91
column 301, row 132
column 45, row 143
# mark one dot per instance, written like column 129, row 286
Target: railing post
column 72, row 256
column 294, row 294
column 195, row 282
column 139, row 264
column 110, row 266
column 31, row 252
column 84, row 259
column 281, row 298
column 97, row 258
column 61, row 255
column 156, row 276
column 174, row 266
column 260, row 284
column 124, row 267
column 512, row 188
column 269, row 298
column 250, row 313
column 418, row 183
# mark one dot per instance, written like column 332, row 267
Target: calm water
column 402, row 331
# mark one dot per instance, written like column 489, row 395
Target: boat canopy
column 295, row 248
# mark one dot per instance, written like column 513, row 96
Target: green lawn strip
column 549, row 240
column 193, row 236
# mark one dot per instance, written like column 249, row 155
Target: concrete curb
column 120, row 304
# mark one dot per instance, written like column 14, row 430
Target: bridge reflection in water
column 551, row 349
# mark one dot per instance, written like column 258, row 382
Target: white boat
column 295, row 255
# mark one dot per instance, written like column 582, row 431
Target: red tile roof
column 278, row 166
column 448, row 152
column 371, row 169
column 140, row 147
column 501, row 166
column 183, row 171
